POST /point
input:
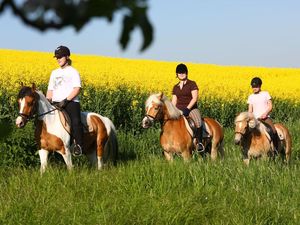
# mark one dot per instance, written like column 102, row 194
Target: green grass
column 145, row 189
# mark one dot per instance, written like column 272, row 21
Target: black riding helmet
column 61, row 51
column 181, row 68
column 256, row 82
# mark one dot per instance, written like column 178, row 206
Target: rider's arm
column 49, row 95
column 74, row 93
column 194, row 99
column 269, row 109
column 250, row 108
column 174, row 100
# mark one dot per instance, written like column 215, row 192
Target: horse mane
column 253, row 122
column 44, row 100
column 242, row 116
column 173, row 111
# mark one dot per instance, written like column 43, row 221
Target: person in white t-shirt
column 63, row 90
column 260, row 104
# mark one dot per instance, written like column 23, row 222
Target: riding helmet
column 181, row 68
column 61, row 51
column 256, row 82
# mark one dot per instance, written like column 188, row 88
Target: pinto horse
column 252, row 135
column 176, row 137
column 100, row 140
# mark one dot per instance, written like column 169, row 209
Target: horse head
column 154, row 109
column 27, row 100
column 244, row 122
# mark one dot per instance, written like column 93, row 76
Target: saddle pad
column 205, row 129
column 263, row 128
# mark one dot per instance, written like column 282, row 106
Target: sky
column 264, row 33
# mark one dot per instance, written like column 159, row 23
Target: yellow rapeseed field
column 230, row 83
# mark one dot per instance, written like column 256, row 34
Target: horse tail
column 111, row 147
column 284, row 134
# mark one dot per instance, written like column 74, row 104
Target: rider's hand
column 186, row 111
column 263, row 116
column 62, row 104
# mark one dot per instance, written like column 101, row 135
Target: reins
column 29, row 117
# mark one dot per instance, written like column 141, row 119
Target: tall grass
column 145, row 189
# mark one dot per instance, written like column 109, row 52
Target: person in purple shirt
column 185, row 97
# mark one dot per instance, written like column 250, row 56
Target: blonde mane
column 251, row 120
column 174, row 112
column 242, row 116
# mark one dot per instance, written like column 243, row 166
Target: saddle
column 269, row 131
column 191, row 127
column 66, row 121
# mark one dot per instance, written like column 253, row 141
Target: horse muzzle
column 237, row 138
column 20, row 122
column 147, row 122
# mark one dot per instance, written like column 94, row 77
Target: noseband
column 240, row 132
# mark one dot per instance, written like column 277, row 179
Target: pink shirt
column 259, row 103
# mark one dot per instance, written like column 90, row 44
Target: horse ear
column 21, row 84
column 160, row 95
column 33, row 87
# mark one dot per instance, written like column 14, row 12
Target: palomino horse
column 252, row 135
column 100, row 141
column 176, row 135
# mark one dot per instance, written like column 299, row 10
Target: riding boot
column 200, row 146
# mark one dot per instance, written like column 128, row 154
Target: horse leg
column 214, row 150
column 67, row 158
column 186, row 155
column 168, row 156
column 246, row 161
column 44, row 159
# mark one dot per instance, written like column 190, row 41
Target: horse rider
column 185, row 97
column 260, row 105
column 63, row 90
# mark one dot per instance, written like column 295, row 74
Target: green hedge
column 125, row 107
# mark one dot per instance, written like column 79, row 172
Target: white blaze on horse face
column 238, row 130
column 19, row 119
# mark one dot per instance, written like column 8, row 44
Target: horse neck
column 43, row 104
column 165, row 113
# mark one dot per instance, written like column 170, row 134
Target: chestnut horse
column 176, row 137
column 252, row 135
column 100, row 141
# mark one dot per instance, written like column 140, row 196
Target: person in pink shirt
column 260, row 105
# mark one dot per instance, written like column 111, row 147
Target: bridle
column 154, row 118
column 240, row 132
column 32, row 114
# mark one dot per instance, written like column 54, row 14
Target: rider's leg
column 274, row 137
column 196, row 116
column 73, row 109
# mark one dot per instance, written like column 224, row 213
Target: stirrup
column 77, row 150
column 200, row 147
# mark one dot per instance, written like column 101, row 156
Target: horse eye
column 30, row 103
column 156, row 108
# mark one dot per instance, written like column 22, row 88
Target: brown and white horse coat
column 100, row 142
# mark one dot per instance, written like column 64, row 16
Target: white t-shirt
column 259, row 102
column 62, row 82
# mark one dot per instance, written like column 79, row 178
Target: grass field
column 145, row 189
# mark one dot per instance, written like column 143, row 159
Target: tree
column 57, row 14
